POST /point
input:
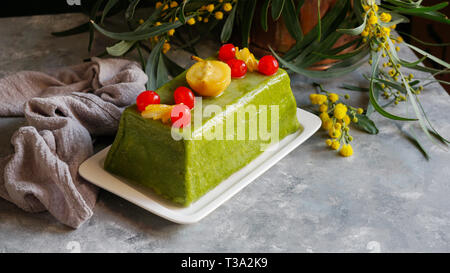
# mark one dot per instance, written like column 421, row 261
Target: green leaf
column 72, row 31
column 414, row 140
column 173, row 68
column 129, row 13
column 162, row 74
column 429, row 56
column 120, row 48
column 277, row 8
column 354, row 88
column 247, row 17
column 422, row 42
column 355, row 31
column 140, row 34
column 373, row 101
column 330, row 73
column 366, row 124
column 228, row 26
column 291, row 20
column 330, row 21
column 264, row 12
column 152, row 66
column 109, row 5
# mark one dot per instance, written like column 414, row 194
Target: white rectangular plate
column 93, row 171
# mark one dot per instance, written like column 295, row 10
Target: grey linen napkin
column 63, row 109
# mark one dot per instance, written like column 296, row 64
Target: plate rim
column 310, row 123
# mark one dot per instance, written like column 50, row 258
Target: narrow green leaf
column 366, row 124
column 141, row 34
column 173, row 68
column 120, row 48
column 264, row 12
column 129, row 13
column 228, row 26
column 72, row 31
column 373, row 101
column 277, row 8
column 152, row 66
column 109, row 5
column 429, row 56
column 291, row 20
column 162, row 74
column 355, row 31
column 249, row 11
column 354, row 88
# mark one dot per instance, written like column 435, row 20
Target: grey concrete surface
column 386, row 197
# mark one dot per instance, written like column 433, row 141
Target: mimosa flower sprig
column 336, row 116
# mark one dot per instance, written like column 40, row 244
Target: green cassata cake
column 185, row 167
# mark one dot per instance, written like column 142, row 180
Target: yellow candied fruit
column 158, row 111
column 208, row 77
column 248, row 57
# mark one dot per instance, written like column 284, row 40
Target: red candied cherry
column 227, row 52
column 268, row 65
column 185, row 96
column 180, row 116
column 146, row 98
column 238, row 68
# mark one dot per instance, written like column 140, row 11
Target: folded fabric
column 64, row 110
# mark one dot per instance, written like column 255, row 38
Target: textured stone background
column 386, row 197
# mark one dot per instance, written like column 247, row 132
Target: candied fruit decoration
column 158, row 111
column 248, row 57
column 208, row 77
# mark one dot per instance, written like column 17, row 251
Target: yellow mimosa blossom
column 227, row 7
column 210, row 7
column 360, row 111
column 324, row 116
column 334, row 133
column 158, row 5
column 328, row 142
column 385, row 17
column 333, row 97
column 205, row 20
column 346, row 119
column 340, row 111
column 218, row 15
column 166, row 47
column 173, row 4
column 141, row 21
column 171, row 32
column 335, row 145
column 323, row 108
column 373, row 20
column 346, row 150
column 157, row 24
column 191, row 21
column 327, row 124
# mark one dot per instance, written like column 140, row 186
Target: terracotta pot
column 278, row 37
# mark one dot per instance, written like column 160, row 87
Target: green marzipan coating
column 183, row 171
